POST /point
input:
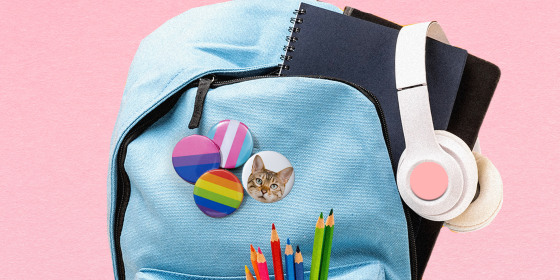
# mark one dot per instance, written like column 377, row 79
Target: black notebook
column 334, row 45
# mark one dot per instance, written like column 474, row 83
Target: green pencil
column 327, row 246
column 317, row 248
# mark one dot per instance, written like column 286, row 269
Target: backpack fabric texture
column 332, row 133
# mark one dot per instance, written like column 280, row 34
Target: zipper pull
column 203, row 87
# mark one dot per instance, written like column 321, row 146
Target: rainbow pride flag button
column 218, row 193
column 194, row 155
column 235, row 141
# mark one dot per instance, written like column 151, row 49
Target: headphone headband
column 411, row 83
column 410, row 55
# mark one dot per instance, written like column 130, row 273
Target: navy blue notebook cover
column 335, row 45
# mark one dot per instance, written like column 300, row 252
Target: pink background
column 62, row 72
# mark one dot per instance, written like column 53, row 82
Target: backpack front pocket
column 360, row 271
column 333, row 136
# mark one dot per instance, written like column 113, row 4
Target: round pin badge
column 194, row 155
column 268, row 176
column 235, row 141
column 218, row 193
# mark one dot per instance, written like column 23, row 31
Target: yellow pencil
column 248, row 275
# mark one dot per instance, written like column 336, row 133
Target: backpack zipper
column 204, row 84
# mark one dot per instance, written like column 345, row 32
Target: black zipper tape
column 203, row 87
column 204, row 84
column 123, row 182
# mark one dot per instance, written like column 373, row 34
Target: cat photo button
column 268, row 176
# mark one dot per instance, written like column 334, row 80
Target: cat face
column 265, row 185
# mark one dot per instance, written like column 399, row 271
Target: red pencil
column 261, row 262
column 276, row 254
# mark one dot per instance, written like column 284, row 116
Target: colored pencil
column 289, row 255
column 317, row 248
column 248, row 275
column 276, row 254
column 261, row 263
column 298, row 264
column 254, row 262
column 327, row 246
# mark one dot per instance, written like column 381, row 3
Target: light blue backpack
column 332, row 132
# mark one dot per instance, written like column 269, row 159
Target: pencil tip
column 288, row 242
column 273, row 227
column 252, row 248
column 297, row 249
column 260, row 252
column 330, row 212
column 321, row 216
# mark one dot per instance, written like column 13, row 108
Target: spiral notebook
column 330, row 44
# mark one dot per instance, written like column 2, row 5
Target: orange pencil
column 254, row 262
column 248, row 275
column 276, row 254
column 261, row 262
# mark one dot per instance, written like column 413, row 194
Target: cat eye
column 273, row 186
column 258, row 181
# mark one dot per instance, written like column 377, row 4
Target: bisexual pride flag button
column 195, row 155
column 235, row 141
column 218, row 193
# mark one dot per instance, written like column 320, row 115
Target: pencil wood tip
column 330, row 221
column 289, row 250
column 260, row 257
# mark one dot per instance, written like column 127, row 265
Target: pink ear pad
column 428, row 180
column 423, row 207
column 488, row 203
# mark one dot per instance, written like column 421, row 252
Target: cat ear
column 285, row 174
column 258, row 164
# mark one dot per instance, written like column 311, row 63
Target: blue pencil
column 289, row 257
column 298, row 260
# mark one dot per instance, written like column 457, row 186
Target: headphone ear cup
column 488, row 203
column 457, row 148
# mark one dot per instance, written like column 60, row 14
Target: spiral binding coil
column 291, row 39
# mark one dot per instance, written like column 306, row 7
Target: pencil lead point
column 288, row 242
column 297, row 249
column 321, row 216
column 273, row 227
column 330, row 212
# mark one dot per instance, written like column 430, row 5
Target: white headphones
column 437, row 173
